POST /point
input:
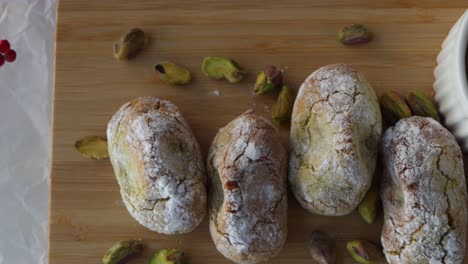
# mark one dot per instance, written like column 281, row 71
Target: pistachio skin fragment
column 167, row 256
column 269, row 79
column 369, row 206
column 281, row 109
column 321, row 248
column 354, row 34
column 122, row 250
column 394, row 107
column 222, row 67
column 93, row 147
column 365, row 252
column 130, row 44
column 421, row 105
column 173, row 74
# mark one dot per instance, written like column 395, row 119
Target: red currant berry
column 10, row 55
column 2, row 60
column 4, row 45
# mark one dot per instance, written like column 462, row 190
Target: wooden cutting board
column 87, row 215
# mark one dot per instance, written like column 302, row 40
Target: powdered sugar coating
column 423, row 193
column 247, row 169
column 158, row 165
column 335, row 132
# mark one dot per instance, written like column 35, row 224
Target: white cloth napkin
column 25, row 129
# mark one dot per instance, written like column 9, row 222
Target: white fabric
column 25, row 129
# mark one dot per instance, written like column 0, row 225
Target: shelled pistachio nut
column 221, row 67
column 369, row 206
column 130, row 44
column 365, row 252
column 122, row 250
column 268, row 80
column 93, row 147
column 167, row 256
column 354, row 34
column 172, row 73
column 321, row 248
column 281, row 109
column 394, row 107
column 421, row 105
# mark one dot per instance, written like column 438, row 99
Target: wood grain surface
column 87, row 214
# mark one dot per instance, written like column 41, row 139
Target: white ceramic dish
column 451, row 85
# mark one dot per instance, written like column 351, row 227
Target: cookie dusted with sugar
column 335, row 133
column 248, row 201
column 423, row 194
column 158, row 165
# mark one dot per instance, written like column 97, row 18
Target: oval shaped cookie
column 248, row 202
column 335, row 132
column 158, row 165
column 423, row 194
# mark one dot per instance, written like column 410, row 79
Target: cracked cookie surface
column 423, row 194
column 158, row 165
column 248, row 202
column 335, row 132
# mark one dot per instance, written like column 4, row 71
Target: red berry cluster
column 6, row 53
